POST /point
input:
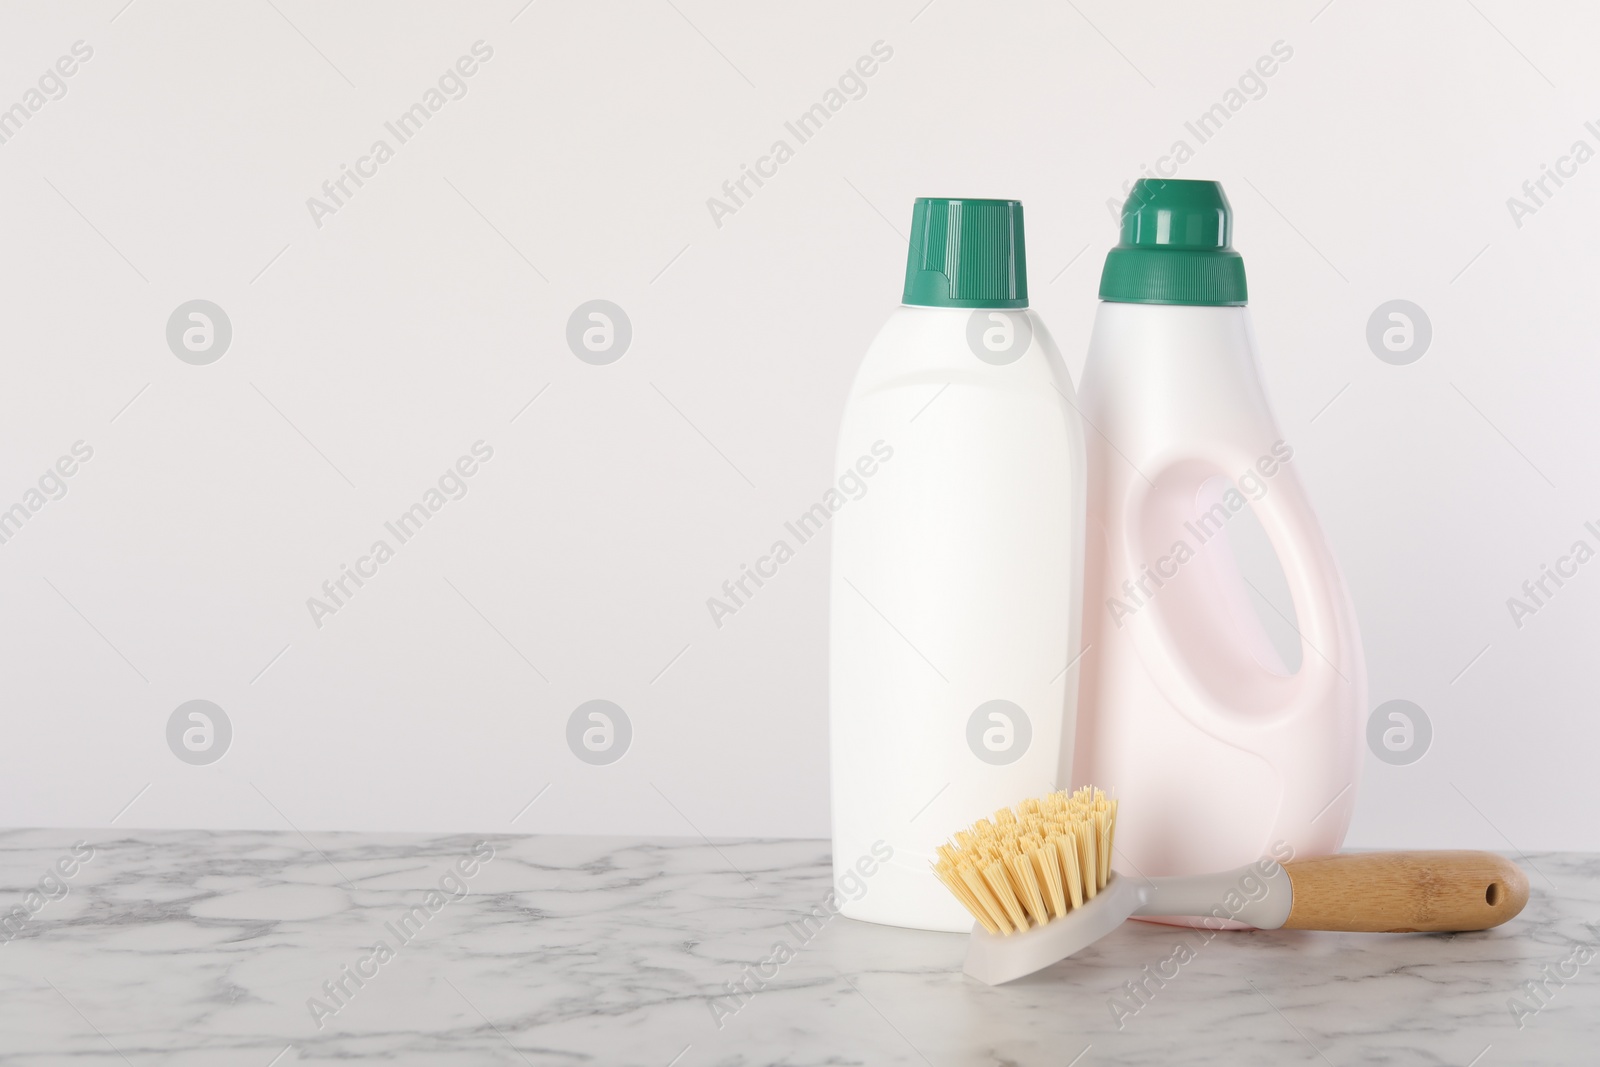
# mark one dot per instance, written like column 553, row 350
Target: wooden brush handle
column 1402, row 892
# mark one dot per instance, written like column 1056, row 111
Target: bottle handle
column 1230, row 694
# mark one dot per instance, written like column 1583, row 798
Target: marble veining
column 268, row 949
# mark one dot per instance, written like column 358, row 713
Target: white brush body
column 1247, row 895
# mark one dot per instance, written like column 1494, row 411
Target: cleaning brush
column 1039, row 882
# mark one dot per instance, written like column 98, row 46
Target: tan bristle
column 1089, row 861
column 1068, row 846
column 999, row 883
column 990, row 913
column 1049, row 868
column 1023, row 867
column 952, row 880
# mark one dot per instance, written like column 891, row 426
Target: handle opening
column 1220, row 620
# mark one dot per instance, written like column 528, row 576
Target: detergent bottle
column 956, row 577
column 1218, row 752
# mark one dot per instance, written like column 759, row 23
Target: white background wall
column 372, row 351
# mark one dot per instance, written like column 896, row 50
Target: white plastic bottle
column 956, row 578
column 1217, row 753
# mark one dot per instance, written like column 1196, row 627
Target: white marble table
column 187, row 947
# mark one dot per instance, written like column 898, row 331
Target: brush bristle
column 1027, row 866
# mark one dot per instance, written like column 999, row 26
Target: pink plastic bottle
column 1218, row 754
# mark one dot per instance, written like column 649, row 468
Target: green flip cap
column 966, row 254
column 1176, row 247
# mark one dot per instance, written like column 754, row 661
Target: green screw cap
column 966, row 254
column 1176, row 247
